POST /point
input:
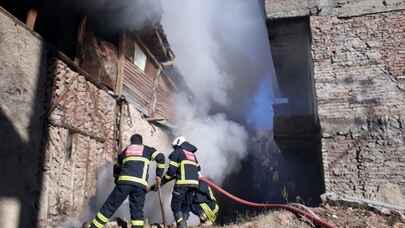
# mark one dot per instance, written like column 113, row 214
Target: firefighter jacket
column 133, row 165
column 183, row 166
column 206, row 200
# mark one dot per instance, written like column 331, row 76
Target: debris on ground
column 281, row 218
column 359, row 217
column 342, row 217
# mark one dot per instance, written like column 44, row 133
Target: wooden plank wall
column 150, row 92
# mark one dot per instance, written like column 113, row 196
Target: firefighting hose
column 303, row 213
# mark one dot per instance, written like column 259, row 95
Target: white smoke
column 221, row 142
column 223, row 52
column 222, row 49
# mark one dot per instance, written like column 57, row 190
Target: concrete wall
column 340, row 8
column 359, row 71
column 22, row 108
column 290, row 8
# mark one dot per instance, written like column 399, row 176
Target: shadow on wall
column 23, row 129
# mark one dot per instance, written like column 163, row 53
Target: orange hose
column 315, row 220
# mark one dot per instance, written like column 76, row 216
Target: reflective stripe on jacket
column 134, row 164
column 183, row 165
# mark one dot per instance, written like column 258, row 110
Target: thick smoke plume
column 223, row 53
column 111, row 17
column 222, row 50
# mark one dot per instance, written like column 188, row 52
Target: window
column 139, row 57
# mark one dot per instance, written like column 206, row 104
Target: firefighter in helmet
column 131, row 173
column 183, row 168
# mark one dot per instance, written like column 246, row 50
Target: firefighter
column 131, row 173
column 183, row 168
column 204, row 204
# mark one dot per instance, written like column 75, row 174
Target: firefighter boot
column 180, row 221
column 86, row 225
column 203, row 218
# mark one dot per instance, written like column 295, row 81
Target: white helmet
column 178, row 141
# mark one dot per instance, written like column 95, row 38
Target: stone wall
column 82, row 124
column 359, row 72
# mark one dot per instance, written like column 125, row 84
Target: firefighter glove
column 158, row 180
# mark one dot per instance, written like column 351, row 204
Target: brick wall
column 359, row 71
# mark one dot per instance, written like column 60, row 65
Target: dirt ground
column 341, row 217
column 359, row 218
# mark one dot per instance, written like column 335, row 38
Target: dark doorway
column 296, row 123
column 284, row 163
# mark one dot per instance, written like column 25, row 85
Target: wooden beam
column 120, row 65
column 153, row 104
column 168, row 63
column 31, row 18
column 155, row 119
column 80, row 37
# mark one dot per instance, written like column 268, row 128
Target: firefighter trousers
column 115, row 199
column 180, row 201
